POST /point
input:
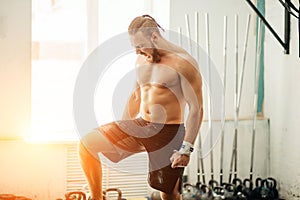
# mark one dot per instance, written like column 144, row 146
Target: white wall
column 15, row 59
column 282, row 103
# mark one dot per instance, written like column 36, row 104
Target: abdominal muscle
column 160, row 105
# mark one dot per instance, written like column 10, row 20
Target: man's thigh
column 112, row 142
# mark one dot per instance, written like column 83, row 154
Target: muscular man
column 168, row 80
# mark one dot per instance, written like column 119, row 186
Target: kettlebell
column 189, row 192
column 239, row 187
column 218, row 193
column 271, row 185
column 255, row 194
column 75, row 195
column 118, row 191
column 213, row 183
column 205, row 192
column 264, row 191
column 248, row 187
column 230, row 191
column 155, row 195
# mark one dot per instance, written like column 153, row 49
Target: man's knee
column 89, row 144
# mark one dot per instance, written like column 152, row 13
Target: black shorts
column 159, row 140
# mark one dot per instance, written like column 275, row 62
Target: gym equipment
column 233, row 162
column 199, row 150
column 213, row 183
column 75, row 195
column 255, row 194
column 256, row 79
column 218, row 193
column 205, row 192
column 179, row 36
column 189, row 33
column 209, row 116
column 197, row 35
column 248, row 187
column 155, row 195
column 189, row 192
column 118, row 191
column 239, row 189
column 244, row 62
column 230, row 191
column 271, row 185
column 223, row 98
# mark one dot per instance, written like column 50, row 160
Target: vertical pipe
column 236, row 91
column 256, row 80
column 199, row 152
column 187, row 23
column 179, row 36
column 233, row 162
column 287, row 28
column 209, row 97
column 223, row 97
column 197, row 35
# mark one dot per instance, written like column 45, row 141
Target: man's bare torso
column 160, row 87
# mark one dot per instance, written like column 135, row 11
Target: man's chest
column 157, row 74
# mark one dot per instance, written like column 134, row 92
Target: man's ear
column 154, row 37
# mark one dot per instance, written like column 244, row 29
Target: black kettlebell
column 205, row 192
column 213, row 183
column 255, row 194
column 189, row 192
column 248, row 187
column 271, row 185
column 264, row 191
column 230, row 191
column 218, row 193
column 239, row 187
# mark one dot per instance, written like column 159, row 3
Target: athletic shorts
column 158, row 140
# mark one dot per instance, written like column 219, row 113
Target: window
column 58, row 43
column 63, row 32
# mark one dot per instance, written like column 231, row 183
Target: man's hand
column 179, row 159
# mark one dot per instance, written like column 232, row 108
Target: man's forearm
column 193, row 124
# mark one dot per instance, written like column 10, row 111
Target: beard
column 154, row 56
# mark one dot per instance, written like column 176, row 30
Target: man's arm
column 132, row 108
column 191, row 85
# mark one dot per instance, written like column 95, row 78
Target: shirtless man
column 168, row 80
